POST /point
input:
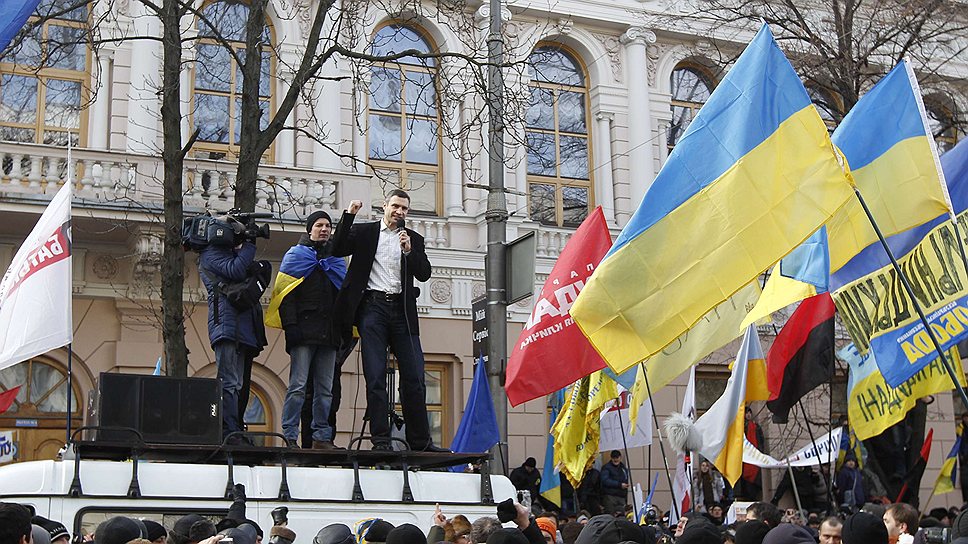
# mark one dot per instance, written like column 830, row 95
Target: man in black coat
column 378, row 296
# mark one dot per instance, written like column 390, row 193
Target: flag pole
column 625, row 448
column 655, row 422
column 816, row 450
column 70, row 345
column 793, row 484
column 914, row 301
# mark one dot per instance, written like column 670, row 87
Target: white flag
column 682, row 483
column 35, row 293
column 614, row 422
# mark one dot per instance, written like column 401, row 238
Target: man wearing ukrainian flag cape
column 302, row 305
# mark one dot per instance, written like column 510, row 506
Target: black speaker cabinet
column 165, row 410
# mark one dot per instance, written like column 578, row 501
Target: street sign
column 481, row 343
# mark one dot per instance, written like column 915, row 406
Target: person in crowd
column 527, row 478
column 715, row 514
column 549, row 529
column 482, row 528
column 606, row 529
column 570, row 531
column 863, row 528
column 119, row 530
column 787, row 533
column 750, row 486
column 15, row 526
column 698, row 530
column 900, row 519
column 156, row 532
column 407, row 533
column 766, row 512
column 335, row 533
column 751, row 532
column 830, row 530
column 379, row 297
column 959, row 528
column 850, row 485
column 57, row 532
column 236, row 336
column 305, row 313
column 804, row 485
column 709, row 486
column 372, row 530
column 942, row 515
column 191, row 529
column 615, row 484
column 590, row 492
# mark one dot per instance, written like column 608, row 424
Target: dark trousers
column 234, row 363
column 383, row 324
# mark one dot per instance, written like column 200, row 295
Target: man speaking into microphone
column 378, row 296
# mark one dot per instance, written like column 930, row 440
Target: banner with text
column 825, row 448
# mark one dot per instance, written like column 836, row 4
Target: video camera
column 227, row 230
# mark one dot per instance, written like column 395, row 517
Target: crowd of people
column 515, row 523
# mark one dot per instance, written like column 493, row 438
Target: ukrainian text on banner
column 826, row 447
column 880, row 316
column 873, row 405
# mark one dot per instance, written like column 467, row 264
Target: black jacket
column 613, row 476
column 360, row 242
column 309, row 307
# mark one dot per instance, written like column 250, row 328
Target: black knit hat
column 316, row 216
column 751, row 532
column 55, row 528
column 787, row 533
column 406, row 534
column 863, row 528
column 191, row 528
column 154, row 530
column 119, row 530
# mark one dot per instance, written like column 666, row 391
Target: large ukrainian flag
column 754, row 175
column 890, row 150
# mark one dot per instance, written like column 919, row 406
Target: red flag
column 802, row 356
column 7, row 398
column 551, row 351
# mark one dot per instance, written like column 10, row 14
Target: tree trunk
column 251, row 146
column 173, row 260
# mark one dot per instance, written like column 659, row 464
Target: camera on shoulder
column 228, row 230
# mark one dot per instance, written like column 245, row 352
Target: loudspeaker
column 164, row 409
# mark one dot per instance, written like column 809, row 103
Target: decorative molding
column 605, row 115
column 105, row 267
column 440, row 291
column 565, row 26
column 483, row 14
column 638, row 35
column 652, row 60
column 613, row 50
column 478, row 289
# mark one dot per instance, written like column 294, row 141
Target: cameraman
column 237, row 336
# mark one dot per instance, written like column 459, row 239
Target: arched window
column 404, row 120
column 559, row 178
column 941, row 120
column 44, row 79
column 258, row 415
column 691, row 87
column 217, row 78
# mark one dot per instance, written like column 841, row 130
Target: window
column 44, row 79
column 942, row 122
column 217, row 79
column 691, row 87
column 435, row 377
column 404, row 120
column 258, row 417
column 43, row 390
column 559, row 178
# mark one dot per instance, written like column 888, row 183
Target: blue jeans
column 383, row 324
column 231, row 358
column 320, row 362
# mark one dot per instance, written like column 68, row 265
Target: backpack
column 247, row 293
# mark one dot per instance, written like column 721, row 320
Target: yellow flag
column 577, row 428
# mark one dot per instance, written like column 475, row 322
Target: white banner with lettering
column 35, row 293
column 8, row 448
column 826, row 447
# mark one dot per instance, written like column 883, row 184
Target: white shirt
column 385, row 274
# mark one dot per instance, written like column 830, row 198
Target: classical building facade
column 608, row 95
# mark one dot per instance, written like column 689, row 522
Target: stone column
column 604, row 186
column 144, row 81
column 641, row 159
column 99, row 123
column 285, row 144
column 326, row 110
column 453, row 177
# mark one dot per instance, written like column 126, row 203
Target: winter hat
column 336, row 533
column 787, row 533
column 507, row 536
column 39, row 535
column 699, row 533
column 119, row 530
column 530, row 462
column 751, row 532
column 191, row 528
column 606, row 529
column 243, row 534
column 863, row 528
column 407, row 533
column 371, row 530
column 55, row 528
column 316, row 216
column 959, row 527
column 154, row 530
column 284, row 533
column 547, row 525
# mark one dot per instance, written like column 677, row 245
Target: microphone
column 400, row 225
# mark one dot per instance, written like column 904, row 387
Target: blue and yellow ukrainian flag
column 550, row 479
column 297, row 263
column 946, row 478
column 754, row 175
column 893, row 160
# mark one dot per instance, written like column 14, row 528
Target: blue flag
column 13, row 15
column 478, row 427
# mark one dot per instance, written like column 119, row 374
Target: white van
column 83, row 493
